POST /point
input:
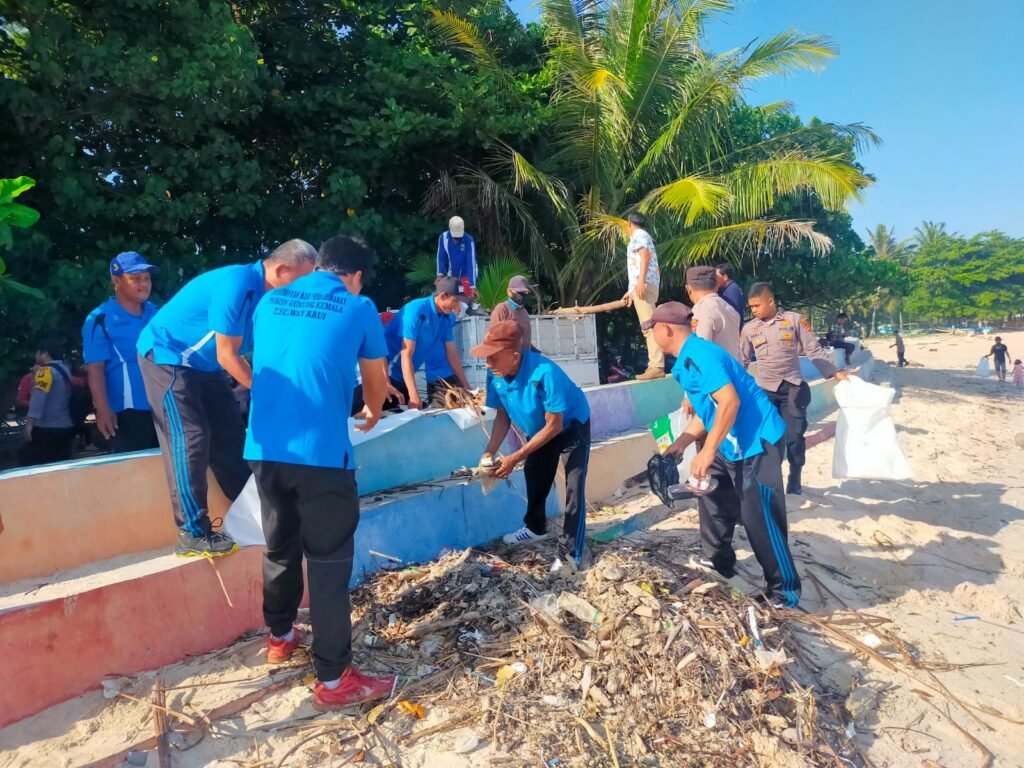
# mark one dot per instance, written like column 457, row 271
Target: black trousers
column 846, row 346
column 571, row 448
column 48, row 445
column 311, row 511
column 750, row 491
column 198, row 427
column 791, row 401
column 135, row 432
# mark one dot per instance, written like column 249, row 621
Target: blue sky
column 941, row 82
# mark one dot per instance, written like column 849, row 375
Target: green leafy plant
column 421, row 273
column 14, row 214
column 492, row 282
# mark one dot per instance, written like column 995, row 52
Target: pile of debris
column 640, row 659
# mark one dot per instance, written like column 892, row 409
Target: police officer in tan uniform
column 713, row 318
column 776, row 339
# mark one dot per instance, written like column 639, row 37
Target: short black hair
column 843, row 316
column 346, row 255
column 637, row 219
column 55, row 348
column 727, row 270
column 760, row 289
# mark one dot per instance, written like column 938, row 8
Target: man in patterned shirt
column 644, row 282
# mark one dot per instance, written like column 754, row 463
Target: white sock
column 330, row 685
column 286, row 638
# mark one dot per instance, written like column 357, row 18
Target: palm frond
column 465, row 36
column 785, row 53
column 755, row 187
column 421, row 273
column 690, row 197
column 738, row 242
column 492, row 284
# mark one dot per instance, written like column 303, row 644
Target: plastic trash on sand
column 984, row 369
column 866, row 443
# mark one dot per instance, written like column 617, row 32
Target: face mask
column 519, row 299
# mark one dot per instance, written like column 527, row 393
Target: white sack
column 244, row 521
column 866, row 443
column 983, row 369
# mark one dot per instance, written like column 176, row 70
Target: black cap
column 450, row 286
column 671, row 312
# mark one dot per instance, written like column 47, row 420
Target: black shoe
column 213, row 544
column 706, row 563
column 770, row 601
column 794, row 486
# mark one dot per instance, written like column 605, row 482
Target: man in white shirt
column 644, row 281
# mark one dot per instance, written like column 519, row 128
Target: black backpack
column 80, row 404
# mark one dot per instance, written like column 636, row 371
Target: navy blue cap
column 129, row 263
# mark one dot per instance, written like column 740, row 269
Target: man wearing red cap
column 532, row 392
column 744, row 438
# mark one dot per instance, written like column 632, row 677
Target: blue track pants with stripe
column 572, row 448
column 750, row 492
column 198, row 426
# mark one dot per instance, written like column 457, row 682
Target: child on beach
column 1018, row 374
column 901, row 350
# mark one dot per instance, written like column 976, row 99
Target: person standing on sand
column 744, row 438
column 901, row 351
column 309, row 338
column 1018, row 374
column 999, row 354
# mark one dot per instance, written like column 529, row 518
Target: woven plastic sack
column 866, row 443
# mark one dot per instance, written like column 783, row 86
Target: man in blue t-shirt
column 456, row 256
column 186, row 353
column 744, row 438
column 109, row 336
column 533, row 393
column 421, row 331
column 310, row 338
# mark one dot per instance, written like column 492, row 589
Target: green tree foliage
column 642, row 120
column 202, row 132
column 959, row 278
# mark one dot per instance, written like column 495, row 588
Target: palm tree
column 882, row 241
column 930, row 233
column 641, row 121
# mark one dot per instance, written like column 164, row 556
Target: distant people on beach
column 901, row 351
column 999, row 354
column 1018, row 374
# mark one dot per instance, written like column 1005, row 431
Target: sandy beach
column 934, row 566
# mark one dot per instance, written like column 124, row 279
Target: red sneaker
column 355, row 688
column 280, row 651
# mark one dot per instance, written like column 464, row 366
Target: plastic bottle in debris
column 579, row 608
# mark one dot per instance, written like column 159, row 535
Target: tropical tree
column 15, row 215
column 641, row 121
column 888, row 296
column 930, row 234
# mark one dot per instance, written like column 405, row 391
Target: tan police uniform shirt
column 776, row 344
column 715, row 320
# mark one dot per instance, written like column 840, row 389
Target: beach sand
column 940, row 558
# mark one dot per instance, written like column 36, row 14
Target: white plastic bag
column 244, row 520
column 866, row 443
column 983, row 369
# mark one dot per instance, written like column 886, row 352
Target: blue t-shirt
column 219, row 301
column 703, row 367
column 418, row 321
column 437, row 366
column 109, row 336
column 538, row 387
column 309, row 336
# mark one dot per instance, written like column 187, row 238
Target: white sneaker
column 524, row 536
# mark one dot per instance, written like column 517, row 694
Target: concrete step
column 61, row 635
